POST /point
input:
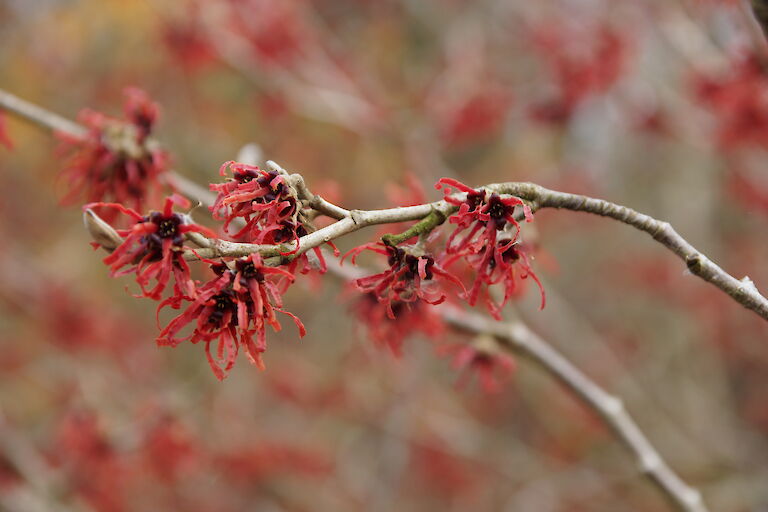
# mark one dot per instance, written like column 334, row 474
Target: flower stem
column 424, row 226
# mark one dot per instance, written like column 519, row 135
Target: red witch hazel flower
column 395, row 301
column 582, row 65
column 115, row 159
column 507, row 262
column 389, row 326
column 232, row 308
column 740, row 102
column 262, row 199
column 268, row 205
column 491, row 245
column 152, row 248
column 485, row 360
column 410, row 277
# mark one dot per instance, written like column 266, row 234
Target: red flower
column 506, row 263
column 262, row 199
column 409, row 278
column 268, row 206
column 152, row 248
column 482, row 214
column 740, row 101
column 489, row 246
column 276, row 33
column 5, row 140
column 231, row 308
column 249, row 464
column 169, row 450
column 389, row 325
column 115, row 160
column 88, row 459
column 187, row 40
column 140, row 111
column 490, row 366
column 477, row 117
column 581, row 64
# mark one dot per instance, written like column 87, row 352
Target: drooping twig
column 517, row 338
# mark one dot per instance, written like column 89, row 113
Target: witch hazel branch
column 271, row 210
column 269, row 221
column 270, row 234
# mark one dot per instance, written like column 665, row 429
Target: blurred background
column 656, row 104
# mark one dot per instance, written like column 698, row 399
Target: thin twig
column 517, row 338
column 38, row 115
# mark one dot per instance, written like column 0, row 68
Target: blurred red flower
column 115, row 160
column 739, row 99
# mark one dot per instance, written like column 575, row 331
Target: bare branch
column 518, row 339
column 38, row 115
column 742, row 291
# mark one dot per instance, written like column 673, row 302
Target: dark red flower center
column 223, row 303
column 245, row 176
column 509, row 255
column 496, row 209
column 285, row 233
column 167, row 227
column 399, row 258
column 249, row 271
column 475, row 199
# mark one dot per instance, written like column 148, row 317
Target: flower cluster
column 740, row 101
column 262, row 199
column 582, row 65
column 410, row 277
column 269, row 209
column 389, row 326
column 232, row 308
column 488, row 235
column 152, row 248
column 491, row 366
column 394, row 302
column 115, row 160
